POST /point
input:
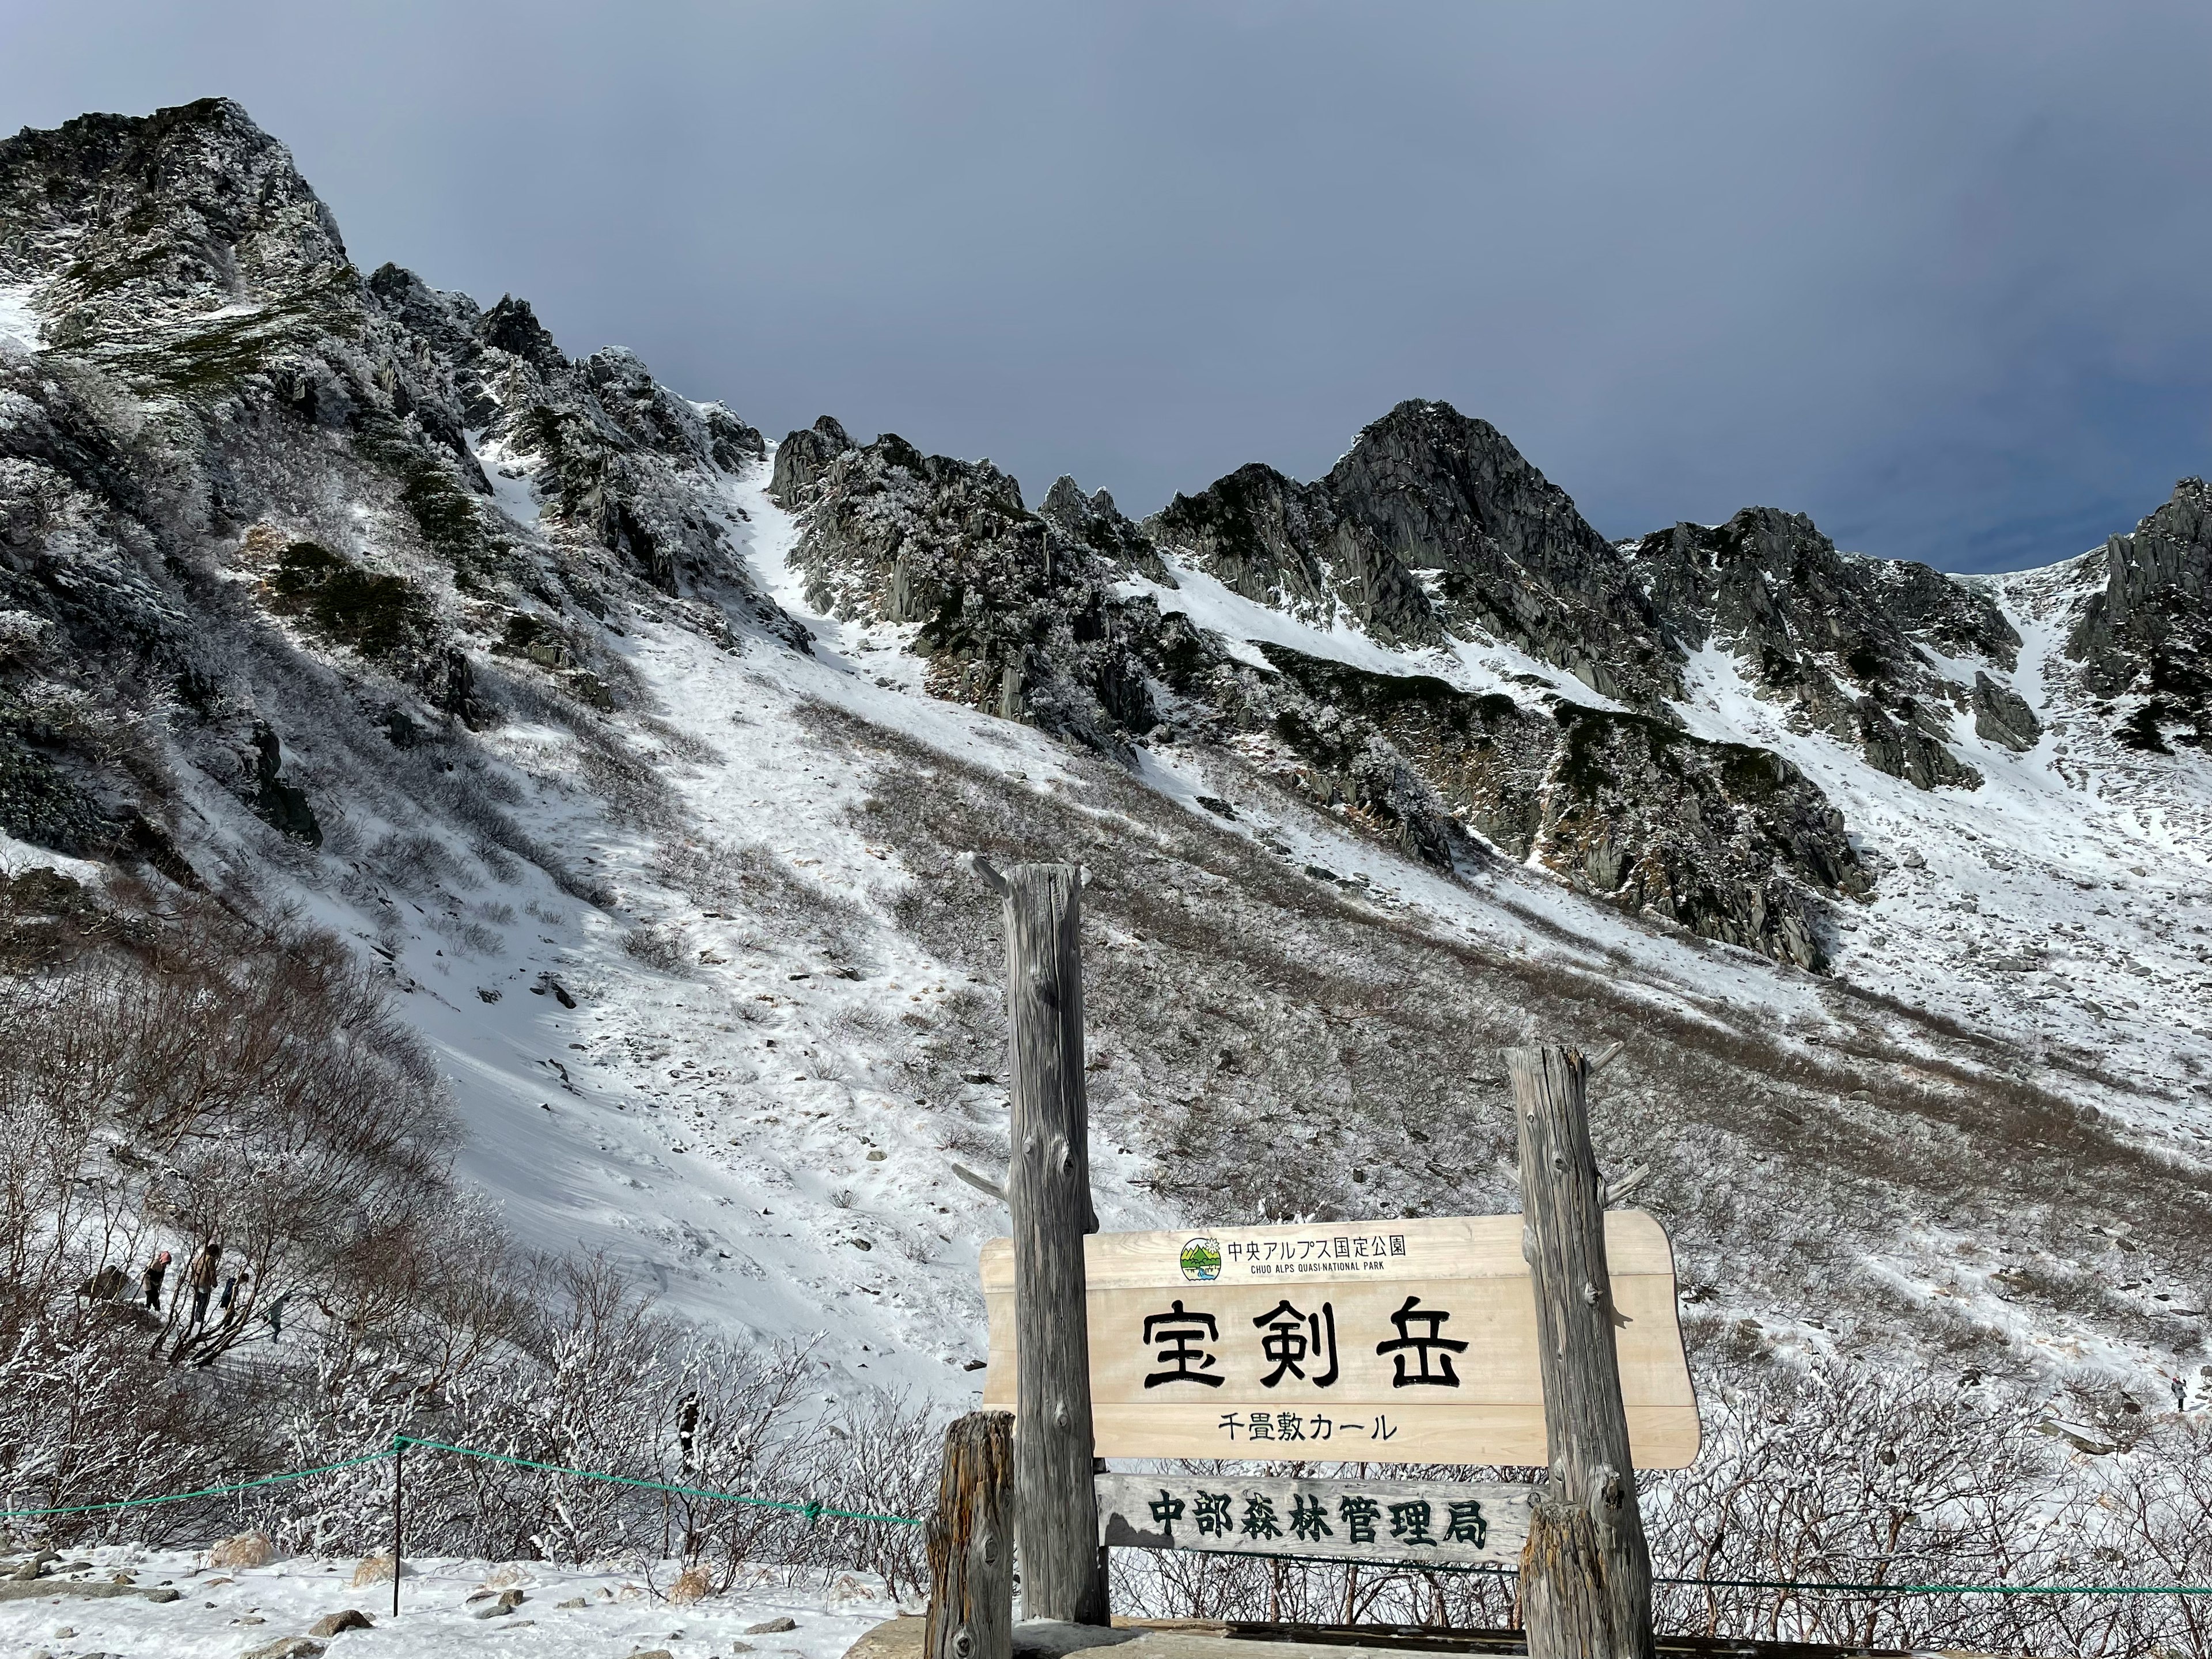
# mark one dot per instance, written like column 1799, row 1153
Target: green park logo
column 1201, row 1259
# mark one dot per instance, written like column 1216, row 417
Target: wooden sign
column 1451, row 1525
column 1410, row 1341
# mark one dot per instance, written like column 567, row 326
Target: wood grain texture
column 1455, row 1524
column 971, row 1542
column 1592, row 1571
column 1470, row 1267
column 1048, row 1193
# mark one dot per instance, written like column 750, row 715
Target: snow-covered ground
column 583, row 1613
column 18, row 324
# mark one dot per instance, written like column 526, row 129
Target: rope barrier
column 814, row 1510
column 204, row 1492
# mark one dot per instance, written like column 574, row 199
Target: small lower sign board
column 1340, row 1520
column 1410, row 1341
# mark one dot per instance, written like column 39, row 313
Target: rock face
column 2147, row 635
column 240, row 492
column 1012, row 612
column 1432, row 525
column 1837, row 638
column 1731, row 842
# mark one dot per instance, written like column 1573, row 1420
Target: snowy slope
column 742, row 1131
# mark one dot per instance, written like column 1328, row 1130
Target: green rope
column 205, row 1491
column 811, row 1510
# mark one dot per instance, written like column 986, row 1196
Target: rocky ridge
column 231, row 440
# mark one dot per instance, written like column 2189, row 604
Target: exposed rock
column 1733, row 843
column 2002, row 715
column 215, row 376
column 1014, row 615
column 1432, row 524
column 282, row 805
column 288, row 1647
column 772, row 1627
column 2147, row 632
column 1835, row 637
column 337, row 1624
column 1096, row 522
column 803, row 457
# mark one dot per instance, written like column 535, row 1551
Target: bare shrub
column 659, row 946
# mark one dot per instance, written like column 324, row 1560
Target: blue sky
column 1940, row 276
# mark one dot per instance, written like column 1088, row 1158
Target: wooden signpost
column 1413, row 1341
column 1546, row 1339
column 1434, row 1523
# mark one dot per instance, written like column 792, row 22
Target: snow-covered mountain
column 640, row 759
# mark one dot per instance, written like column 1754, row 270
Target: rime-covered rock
column 1432, row 525
column 1730, row 841
column 803, row 457
column 1837, row 638
column 2146, row 632
column 1014, row 615
column 240, row 481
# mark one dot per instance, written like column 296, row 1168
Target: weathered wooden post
column 1048, row 1191
column 971, row 1543
column 1586, row 1571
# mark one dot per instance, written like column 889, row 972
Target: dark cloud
column 1936, row 276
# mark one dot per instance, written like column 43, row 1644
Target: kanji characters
column 1177, row 1333
column 1423, row 1347
column 1466, row 1523
column 1409, row 1522
column 1259, row 1518
column 1359, row 1515
column 1293, row 1337
column 1212, row 1514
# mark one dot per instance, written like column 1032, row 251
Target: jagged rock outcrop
column 801, row 460
column 1835, row 637
column 1432, row 525
column 1096, row 522
column 2146, row 634
column 1731, row 842
column 1014, row 614
column 244, row 527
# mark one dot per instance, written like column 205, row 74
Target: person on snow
column 150, row 1280
column 200, row 1273
column 274, row 1315
column 232, row 1284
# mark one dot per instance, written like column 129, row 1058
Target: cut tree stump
column 971, row 1542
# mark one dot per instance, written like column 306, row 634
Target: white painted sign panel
column 1409, row 1341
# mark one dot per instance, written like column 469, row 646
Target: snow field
column 223, row 1613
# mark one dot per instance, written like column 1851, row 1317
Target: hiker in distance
column 150, row 1280
column 200, row 1274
